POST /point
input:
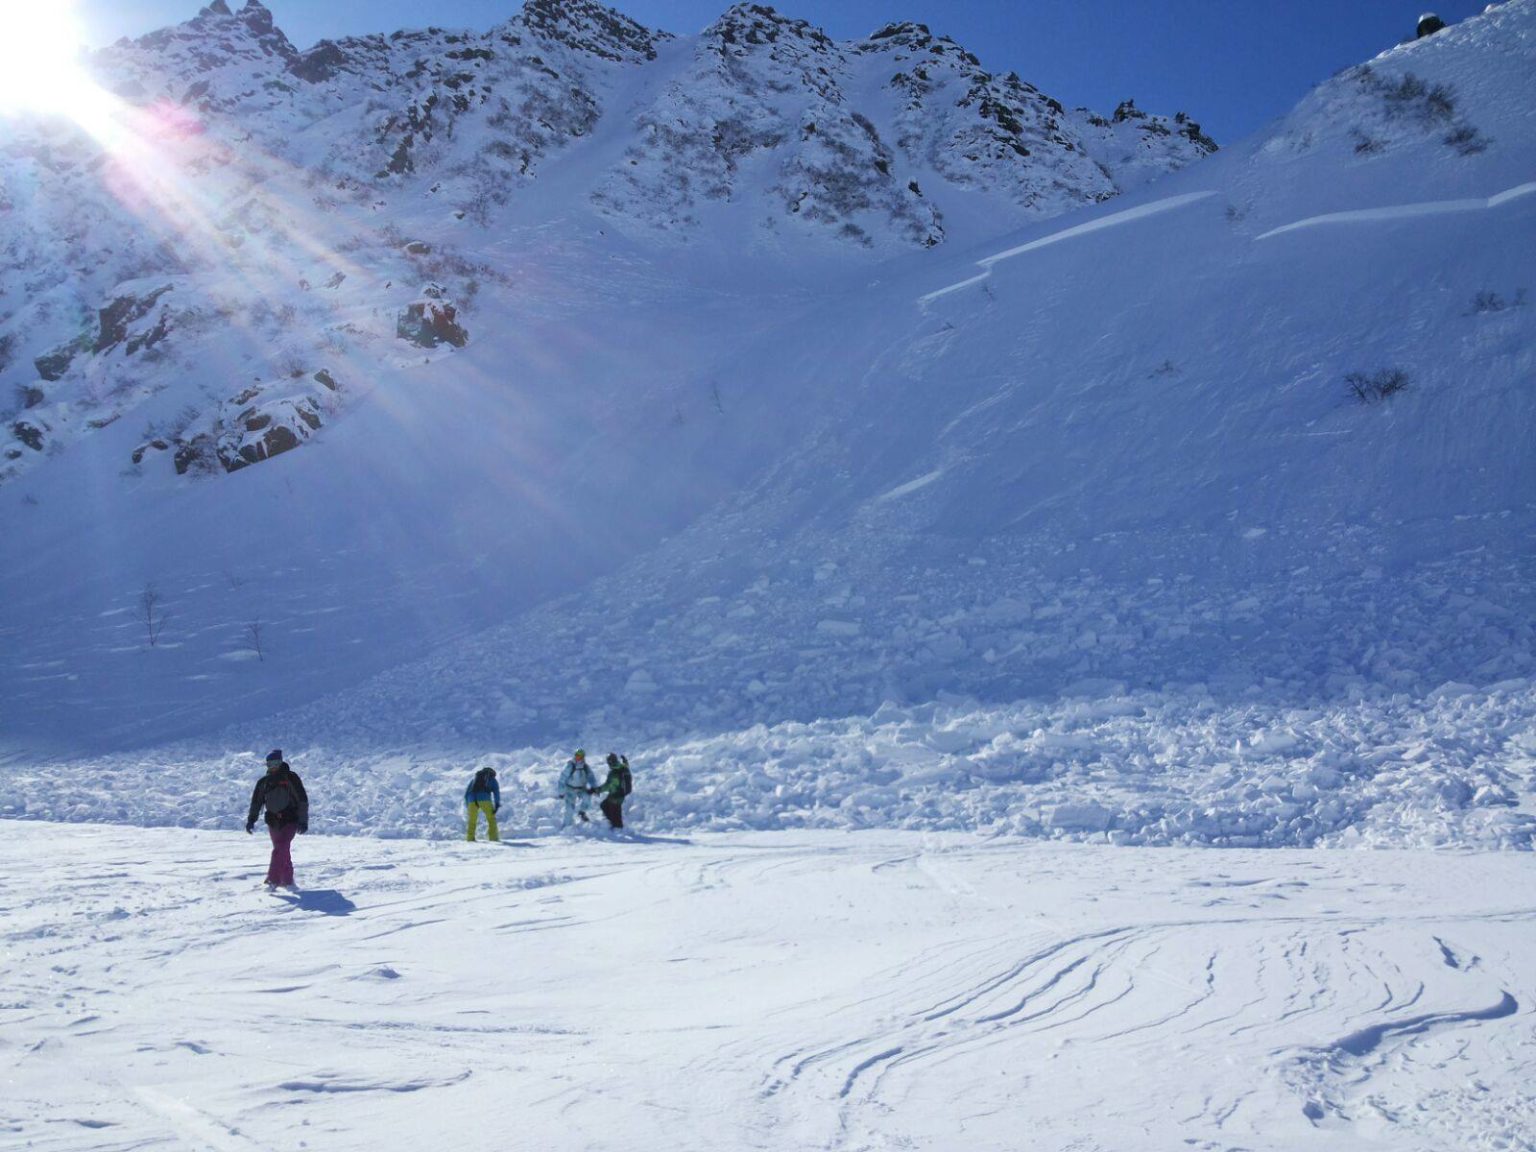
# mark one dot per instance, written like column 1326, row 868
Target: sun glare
column 40, row 61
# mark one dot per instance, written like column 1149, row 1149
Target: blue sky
column 1231, row 64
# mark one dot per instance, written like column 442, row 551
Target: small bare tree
column 151, row 613
column 253, row 632
column 1376, row 387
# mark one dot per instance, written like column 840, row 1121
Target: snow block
column 1085, row 816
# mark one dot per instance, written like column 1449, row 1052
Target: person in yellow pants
column 482, row 795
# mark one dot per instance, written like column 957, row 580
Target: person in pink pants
column 281, row 793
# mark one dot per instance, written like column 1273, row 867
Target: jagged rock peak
column 901, row 28
column 217, row 21
column 593, row 28
column 255, row 15
column 904, row 32
column 907, row 36
column 758, row 24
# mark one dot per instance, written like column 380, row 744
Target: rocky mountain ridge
column 240, row 168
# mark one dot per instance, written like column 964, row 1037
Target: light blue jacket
column 576, row 778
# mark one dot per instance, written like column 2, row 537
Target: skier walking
column 482, row 795
column 282, row 794
column 615, row 786
column 576, row 787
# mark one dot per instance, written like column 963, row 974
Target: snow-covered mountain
column 225, row 124
column 854, row 434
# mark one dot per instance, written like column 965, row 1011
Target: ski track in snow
column 1157, row 207
column 197, row 1128
column 1406, row 211
column 1113, row 220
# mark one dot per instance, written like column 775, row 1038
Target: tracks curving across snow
column 805, row 990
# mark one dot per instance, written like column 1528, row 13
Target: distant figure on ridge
column 482, row 795
column 1429, row 24
column 576, row 787
column 617, row 785
column 282, row 794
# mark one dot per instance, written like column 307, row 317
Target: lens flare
column 40, row 68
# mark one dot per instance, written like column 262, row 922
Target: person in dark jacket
column 1429, row 24
column 615, row 786
column 282, row 794
column 482, row 795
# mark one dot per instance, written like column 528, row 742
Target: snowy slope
column 252, row 251
column 794, row 991
column 1076, row 530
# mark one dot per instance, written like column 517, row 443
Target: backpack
column 625, row 778
column 279, row 797
column 482, row 780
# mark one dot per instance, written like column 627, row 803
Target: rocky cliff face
column 762, row 107
column 998, row 133
column 863, row 140
column 256, row 214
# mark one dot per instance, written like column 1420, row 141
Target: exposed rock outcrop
column 431, row 320
column 53, row 365
column 119, row 318
column 256, row 424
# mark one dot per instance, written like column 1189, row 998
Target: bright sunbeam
column 40, row 61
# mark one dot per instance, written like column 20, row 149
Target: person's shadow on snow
column 324, row 900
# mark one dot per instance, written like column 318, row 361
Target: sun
column 40, row 61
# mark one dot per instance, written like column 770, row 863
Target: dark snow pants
column 613, row 808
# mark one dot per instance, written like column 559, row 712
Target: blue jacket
column 493, row 793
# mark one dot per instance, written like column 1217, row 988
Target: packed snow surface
column 729, row 992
